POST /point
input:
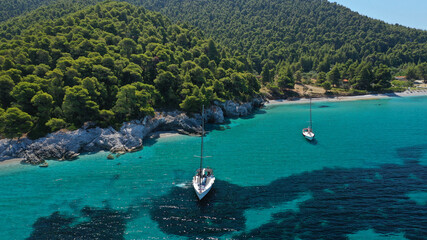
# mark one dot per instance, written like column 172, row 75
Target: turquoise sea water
column 364, row 178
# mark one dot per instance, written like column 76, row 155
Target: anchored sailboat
column 308, row 132
column 204, row 178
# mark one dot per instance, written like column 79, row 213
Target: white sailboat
column 308, row 132
column 204, row 178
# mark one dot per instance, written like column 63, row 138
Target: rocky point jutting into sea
column 66, row 145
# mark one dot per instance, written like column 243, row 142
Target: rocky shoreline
column 67, row 145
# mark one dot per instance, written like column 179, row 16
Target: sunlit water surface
column 364, row 178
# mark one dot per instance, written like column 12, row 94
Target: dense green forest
column 107, row 64
column 14, row 8
column 58, row 8
column 308, row 35
column 285, row 41
column 284, row 30
column 66, row 63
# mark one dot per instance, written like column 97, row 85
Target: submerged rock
column 221, row 128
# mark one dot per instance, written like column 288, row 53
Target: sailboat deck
column 206, row 183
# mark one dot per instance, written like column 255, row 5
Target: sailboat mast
column 310, row 116
column 201, row 148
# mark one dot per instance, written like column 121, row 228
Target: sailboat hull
column 201, row 195
column 203, row 189
column 308, row 135
column 309, row 138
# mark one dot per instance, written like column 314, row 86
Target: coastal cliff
column 67, row 145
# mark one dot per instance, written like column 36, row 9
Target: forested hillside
column 57, row 9
column 315, row 30
column 9, row 9
column 303, row 38
column 110, row 63
column 61, row 66
column 292, row 40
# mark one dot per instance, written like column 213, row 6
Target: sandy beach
column 13, row 161
column 162, row 134
column 411, row 93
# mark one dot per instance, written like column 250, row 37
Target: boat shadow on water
column 312, row 142
column 343, row 201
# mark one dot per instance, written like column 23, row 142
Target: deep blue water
column 364, row 178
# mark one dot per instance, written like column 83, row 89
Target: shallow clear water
column 364, row 178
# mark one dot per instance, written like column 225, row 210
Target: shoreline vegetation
column 108, row 64
column 68, row 145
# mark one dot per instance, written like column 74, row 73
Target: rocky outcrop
column 66, row 145
column 234, row 110
column 215, row 114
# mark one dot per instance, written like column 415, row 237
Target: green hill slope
column 297, row 40
column 110, row 63
column 14, row 8
column 289, row 30
column 294, row 29
column 48, row 11
column 314, row 35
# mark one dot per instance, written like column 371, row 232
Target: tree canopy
column 109, row 63
column 310, row 36
column 305, row 31
column 74, row 61
column 14, row 122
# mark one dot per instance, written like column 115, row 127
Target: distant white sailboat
column 204, row 178
column 308, row 132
